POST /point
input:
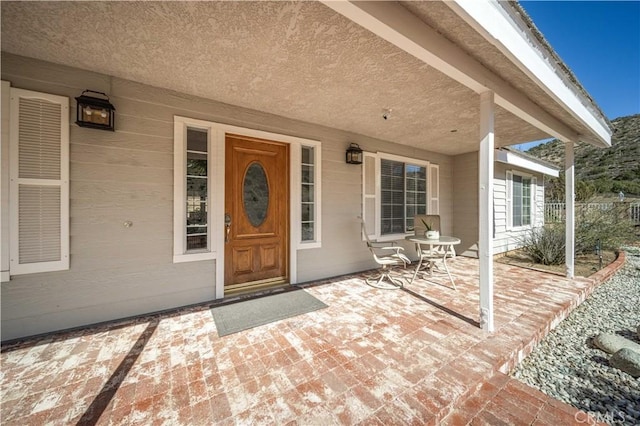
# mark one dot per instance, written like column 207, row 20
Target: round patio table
column 439, row 249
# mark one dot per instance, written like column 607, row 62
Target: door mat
column 247, row 314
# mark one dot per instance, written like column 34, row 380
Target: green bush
column 545, row 245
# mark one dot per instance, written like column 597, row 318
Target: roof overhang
column 514, row 159
column 396, row 24
column 505, row 29
column 335, row 66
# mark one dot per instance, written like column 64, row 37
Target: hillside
column 602, row 172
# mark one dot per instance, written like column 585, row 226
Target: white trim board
column 516, row 160
column 394, row 23
column 494, row 23
column 217, row 137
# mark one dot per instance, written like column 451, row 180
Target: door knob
column 227, row 225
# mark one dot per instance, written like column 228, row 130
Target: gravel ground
column 568, row 367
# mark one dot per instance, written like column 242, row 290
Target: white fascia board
column 524, row 163
column 491, row 20
column 394, row 23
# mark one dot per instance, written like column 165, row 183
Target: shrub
column 545, row 245
column 611, row 226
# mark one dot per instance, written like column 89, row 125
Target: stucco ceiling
column 296, row 59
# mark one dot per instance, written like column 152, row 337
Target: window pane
column 403, row 195
column 308, row 194
column 385, row 226
column 307, row 212
column 196, row 230
column 196, row 164
column 397, row 226
column 197, row 187
column 196, row 242
column 307, row 155
column 526, row 201
column 196, row 140
column 416, row 195
column 197, row 183
column 307, row 174
column 397, row 198
column 392, row 203
column 517, row 200
column 416, row 172
column 411, row 198
column 307, row 232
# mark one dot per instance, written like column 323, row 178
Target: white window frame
column 180, row 253
column 5, row 91
column 15, row 267
column 216, row 200
column 432, row 203
column 533, row 196
column 317, row 184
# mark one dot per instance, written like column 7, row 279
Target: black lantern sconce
column 354, row 154
column 96, row 113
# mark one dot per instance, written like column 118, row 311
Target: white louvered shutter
column 509, row 199
column 369, row 193
column 39, row 171
column 434, row 189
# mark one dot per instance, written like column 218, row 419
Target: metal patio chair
column 387, row 255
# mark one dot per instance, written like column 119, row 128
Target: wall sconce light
column 354, row 154
column 96, row 113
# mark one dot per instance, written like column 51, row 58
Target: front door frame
column 273, row 231
column 218, row 134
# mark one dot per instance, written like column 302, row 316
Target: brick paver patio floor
column 380, row 357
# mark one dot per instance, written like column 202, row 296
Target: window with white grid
column 403, row 195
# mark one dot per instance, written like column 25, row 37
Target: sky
column 600, row 42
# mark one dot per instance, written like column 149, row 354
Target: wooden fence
column 555, row 212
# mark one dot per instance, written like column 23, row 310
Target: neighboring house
column 226, row 171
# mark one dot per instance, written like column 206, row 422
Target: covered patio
column 414, row 355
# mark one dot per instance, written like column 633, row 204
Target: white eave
column 491, row 20
column 513, row 159
column 394, row 23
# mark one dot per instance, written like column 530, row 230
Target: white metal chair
column 387, row 255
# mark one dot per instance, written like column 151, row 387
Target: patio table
column 439, row 249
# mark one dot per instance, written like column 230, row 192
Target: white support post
column 486, row 210
column 570, row 236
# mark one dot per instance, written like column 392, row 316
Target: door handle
column 227, row 225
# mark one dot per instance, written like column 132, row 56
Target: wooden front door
column 257, row 213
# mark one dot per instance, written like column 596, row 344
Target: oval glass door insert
column 255, row 194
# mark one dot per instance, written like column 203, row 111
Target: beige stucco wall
column 127, row 175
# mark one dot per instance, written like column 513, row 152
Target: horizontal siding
column 505, row 239
column 465, row 202
column 127, row 175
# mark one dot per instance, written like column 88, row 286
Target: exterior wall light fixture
column 354, row 154
column 97, row 113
